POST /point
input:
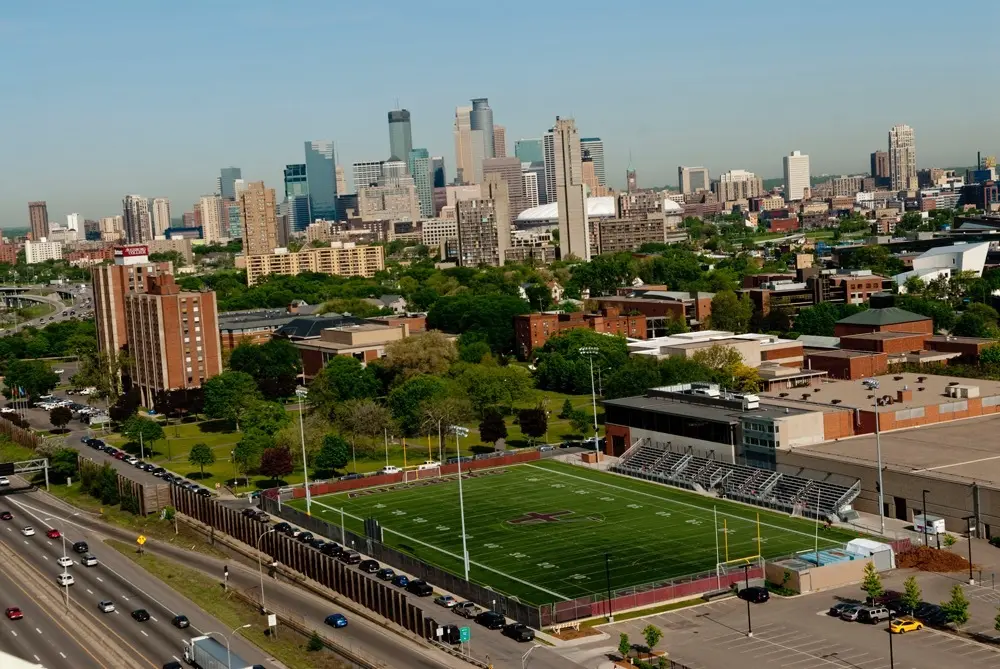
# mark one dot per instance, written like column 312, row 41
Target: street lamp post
column 229, row 655
column 923, row 511
column 892, row 659
column 972, row 581
column 872, row 384
column 590, row 352
column 746, row 576
column 607, row 576
column 260, row 568
column 461, row 432
column 301, row 393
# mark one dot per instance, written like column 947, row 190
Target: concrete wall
column 800, row 430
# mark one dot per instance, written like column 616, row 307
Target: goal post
column 411, row 475
column 737, row 565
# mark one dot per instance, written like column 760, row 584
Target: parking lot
column 792, row 633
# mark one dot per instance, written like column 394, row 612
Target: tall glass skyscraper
column 529, row 150
column 297, row 197
column 321, row 179
column 481, row 118
column 400, row 136
column 419, row 164
column 437, row 171
column 227, row 182
column 232, row 210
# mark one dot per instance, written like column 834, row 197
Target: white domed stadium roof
column 597, row 207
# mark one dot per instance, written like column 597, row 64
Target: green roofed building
column 884, row 317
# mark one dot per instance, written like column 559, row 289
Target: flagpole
column 725, row 536
column 718, row 576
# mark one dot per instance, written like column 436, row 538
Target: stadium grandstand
column 802, row 493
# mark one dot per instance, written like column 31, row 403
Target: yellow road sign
column 140, row 540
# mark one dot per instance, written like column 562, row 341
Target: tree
column 871, row 582
column 581, row 421
column 567, row 409
column 534, row 422
column 275, row 463
column 125, row 406
column 315, row 643
column 996, row 621
column 990, row 355
column 343, row 378
column 488, row 386
column 275, row 365
column 266, row 417
column 428, row 353
column 956, row 609
column 975, row 324
column 333, row 455
column 492, row 427
column 248, row 451
column 624, row 646
column 364, row 418
column 63, row 464
column 29, row 377
column 652, row 636
column 142, row 430
column 731, row 312
column 60, row 416
column 561, row 367
column 490, row 315
column 911, row 594
column 229, row 395
column 106, row 486
column 472, row 348
column 405, row 400
column 200, row 456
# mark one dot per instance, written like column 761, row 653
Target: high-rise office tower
column 595, row 148
column 880, row 168
column 214, row 219
column 218, row 186
column 73, row 222
column 38, row 218
column 341, row 181
column 508, row 169
column 258, row 215
column 481, row 118
column 538, row 170
column 693, row 179
column 138, row 220
column 796, row 166
column 419, row 165
column 529, row 150
column 569, row 190
column 297, row 197
column 367, row 174
column 400, row 136
column 902, row 158
column 738, row 185
column 529, row 183
column 631, row 182
column 470, row 148
column 161, row 216
column 484, row 225
column 499, row 141
column 321, row 172
column 437, row 171
column 232, row 210
column 227, row 182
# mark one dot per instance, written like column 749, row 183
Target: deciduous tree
column 275, row 463
column 731, row 312
column 201, row 455
column 229, row 395
column 911, row 594
column 405, row 400
column 266, row 417
column 492, row 427
column 428, row 353
column 343, row 378
column 871, row 581
column 60, row 417
column 652, row 636
column 534, row 422
column 364, row 419
column 333, row 455
column 956, row 609
column 29, row 377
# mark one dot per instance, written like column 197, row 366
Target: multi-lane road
column 114, row 578
column 82, row 305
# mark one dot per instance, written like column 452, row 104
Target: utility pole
column 590, row 352
column 461, row 432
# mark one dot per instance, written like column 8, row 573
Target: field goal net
column 738, row 565
column 411, row 475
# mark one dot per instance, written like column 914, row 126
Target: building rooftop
column 817, row 341
column 679, row 407
column 879, row 336
column 963, row 340
column 312, row 326
column 886, row 316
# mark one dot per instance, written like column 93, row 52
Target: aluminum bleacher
column 810, row 494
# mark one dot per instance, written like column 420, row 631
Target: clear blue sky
column 109, row 97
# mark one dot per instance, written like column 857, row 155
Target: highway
column 115, row 578
column 62, row 312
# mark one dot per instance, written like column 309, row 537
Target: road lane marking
column 144, row 632
column 89, row 592
column 99, row 579
column 44, row 556
column 125, row 598
column 62, row 654
column 152, row 618
column 38, row 630
column 13, row 632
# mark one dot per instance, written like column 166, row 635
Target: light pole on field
column 590, row 352
column 301, row 393
column 461, row 432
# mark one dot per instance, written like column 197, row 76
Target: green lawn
column 652, row 532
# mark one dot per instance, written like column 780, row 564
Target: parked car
column 420, row 588
column 349, row 557
column 317, row 543
column 283, row 528
column 400, row 580
column 158, row 472
column 447, row 601
column 336, row 620
column 466, row 609
column 839, row 608
column 491, row 620
column 904, row 625
column 873, row 614
column 390, row 469
column 519, row 632
column 851, row 613
column 385, row 574
column 332, row 549
column 755, row 594
column 305, row 537
column 368, row 566
column 450, row 634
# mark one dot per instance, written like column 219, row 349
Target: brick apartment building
column 531, row 331
column 660, row 306
column 111, row 283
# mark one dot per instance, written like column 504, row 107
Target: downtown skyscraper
column 38, row 218
column 227, row 182
column 138, row 219
column 564, row 154
column 321, row 175
column 400, row 135
column 902, row 158
column 481, row 119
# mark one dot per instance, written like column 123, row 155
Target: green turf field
column 652, row 532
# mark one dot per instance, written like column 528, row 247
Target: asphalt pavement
column 115, row 578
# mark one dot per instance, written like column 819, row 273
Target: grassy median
column 289, row 647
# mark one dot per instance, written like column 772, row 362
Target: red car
column 53, row 534
column 121, row 455
column 14, row 613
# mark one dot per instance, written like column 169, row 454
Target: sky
column 109, row 97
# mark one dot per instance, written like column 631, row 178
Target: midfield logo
column 535, row 517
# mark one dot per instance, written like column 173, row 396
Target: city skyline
column 696, row 121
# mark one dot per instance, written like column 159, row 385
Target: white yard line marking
column 449, row 553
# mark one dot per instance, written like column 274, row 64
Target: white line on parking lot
column 144, row 632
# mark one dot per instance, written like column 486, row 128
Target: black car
column 400, row 580
column 491, row 620
column 6, row 515
column 305, row 537
column 283, row 528
column 167, row 478
column 140, row 615
column 81, row 547
column 369, row 566
column 158, row 472
column 351, row 477
column 204, row 492
column 349, row 557
column 450, row 634
column 420, row 588
column 332, row 549
column 180, row 622
column 519, row 632
column 755, row 594
column 173, row 665
column 249, row 512
column 317, row 543
column 385, row 574
column 262, row 517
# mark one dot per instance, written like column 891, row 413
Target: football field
column 540, row 531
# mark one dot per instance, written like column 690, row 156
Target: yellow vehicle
column 901, row 625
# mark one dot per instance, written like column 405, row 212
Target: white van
column 390, row 469
column 429, row 464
